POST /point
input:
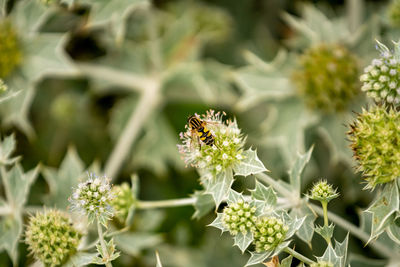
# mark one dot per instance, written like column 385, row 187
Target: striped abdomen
column 202, row 132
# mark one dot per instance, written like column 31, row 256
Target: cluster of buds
column 123, row 200
column 93, row 198
column 269, row 233
column 327, row 77
column 10, row 51
column 381, row 79
column 239, row 217
column 322, row 191
column 51, row 237
column 226, row 150
column 373, row 137
column 322, row 264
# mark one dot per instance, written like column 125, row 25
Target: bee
column 199, row 129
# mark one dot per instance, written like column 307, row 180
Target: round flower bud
column 394, row 13
column 381, row 79
column 10, row 51
column 51, row 237
column 322, row 264
column 322, row 191
column 123, row 200
column 327, row 77
column 239, row 217
column 225, row 151
column 269, row 232
column 94, row 198
column 373, row 138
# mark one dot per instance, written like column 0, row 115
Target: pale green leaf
column 133, row 243
column 341, row 250
column 263, row 193
column 325, row 231
column 219, row 186
column 217, row 223
column 286, row 262
column 29, row 15
column 17, row 185
column 396, row 53
column 10, row 231
column 393, row 230
column 281, row 247
column 63, row 180
column 233, row 197
column 294, row 226
column 384, row 208
column 242, row 241
column 7, row 146
column 331, row 256
column 250, row 164
column 297, row 169
column 257, row 258
column 203, row 205
column 306, row 231
column 80, row 259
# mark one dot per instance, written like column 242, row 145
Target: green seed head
column 238, row 217
column 322, row 264
column 327, row 77
column 51, row 237
column 123, row 200
column 10, row 51
column 226, row 151
column 322, row 191
column 381, row 79
column 375, row 139
column 394, row 13
column 269, row 232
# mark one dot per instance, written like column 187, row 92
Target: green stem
column 103, row 243
column 325, row 210
column 357, row 232
column 165, row 203
column 298, row 256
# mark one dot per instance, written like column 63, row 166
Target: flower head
column 381, row 79
column 322, row 264
column 123, row 200
column 269, row 233
column 225, row 152
column 93, row 198
column 322, row 191
column 394, row 13
column 375, row 139
column 239, row 217
column 327, row 77
column 51, row 237
column 10, row 51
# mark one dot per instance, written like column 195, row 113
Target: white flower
column 225, row 156
column 218, row 168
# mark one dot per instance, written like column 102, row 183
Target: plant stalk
column 102, row 242
column 297, row 255
column 277, row 186
column 170, row 203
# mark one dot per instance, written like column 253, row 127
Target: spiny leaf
column 341, row 250
column 306, row 231
column 64, row 179
column 325, row 231
column 242, row 241
column 250, row 164
column 217, row 223
column 331, row 256
column 233, row 197
column 203, row 205
column 297, row 169
column 7, row 147
column 286, row 262
column 220, row 185
column 80, row 259
column 257, row 258
column 10, row 232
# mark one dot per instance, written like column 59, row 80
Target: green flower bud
column 269, row 232
column 10, row 51
column 373, row 137
column 381, row 79
column 224, row 153
column 394, row 13
column 322, row 264
column 123, row 200
column 238, row 217
column 51, row 237
column 322, row 191
column 94, row 198
column 327, row 78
